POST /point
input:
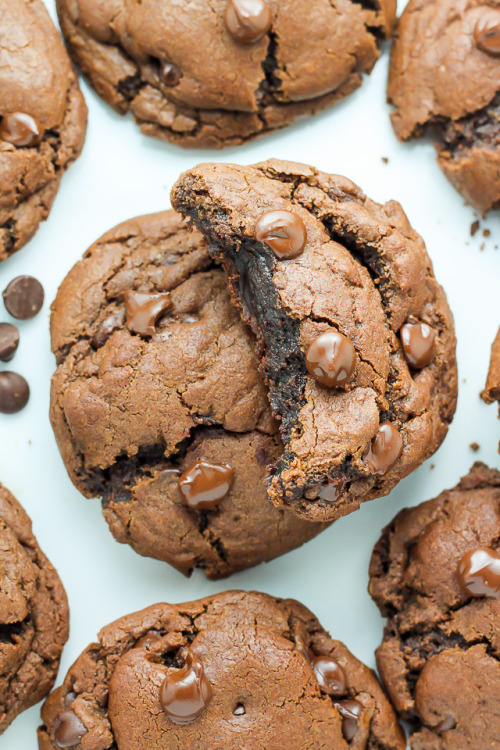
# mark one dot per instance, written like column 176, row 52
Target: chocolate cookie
column 491, row 392
column 235, row 670
column 212, row 74
column 355, row 336
column 42, row 119
column 157, row 404
column 444, row 79
column 435, row 574
column 33, row 615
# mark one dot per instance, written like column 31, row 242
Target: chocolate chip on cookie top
column 182, row 436
column 336, row 326
column 248, row 20
column 223, row 672
column 435, row 575
column 69, row 730
column 20, row 129
column 487, row 32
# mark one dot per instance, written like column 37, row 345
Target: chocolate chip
column 418, row 340
column 20, row 129
column 487, row 32
column 239, row 710
column 68, row 730
column 248, row 20
column 23, row 297
column 445, row 725
column 111, row 322
column 148, row 640
column 204, row 485
column 350, row 711
column 9, row 341
column 479, row 572
column 144, row 310
column 385, row 449
column 330, row 492
column 170, row 74
column 330, row 675
column 186, row 692
column 283, row 232
column 14, row 392
column 331, row 359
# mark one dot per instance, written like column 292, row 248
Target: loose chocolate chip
column 9, row 341
column 248, row 20
column 487, row 32
column 331, row 359
column 445, row 725
column 170, row 74
column 186, row 693
column 111, row 323
column 330, row 492
column 239, row 710
column 350, row 711
column 418, row 340
column 385, row 449
column 14, row 392
column 144, row 310
column 283, row 232
column 330, row 675
column 479, row 572
column 20, row 129
column 68, row 730
column 204, row 485
column 23, row 297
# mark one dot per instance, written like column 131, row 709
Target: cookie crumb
column 385, row 160
column 474, row 227
column 486, row 232
column 474, row 447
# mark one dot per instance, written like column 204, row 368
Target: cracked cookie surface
column 176, row 67
column 440, row 657
column 38, row 81
column 132, row 412
column 33, row 615
column 256, row 653
column 364, row 273
column 444, row 80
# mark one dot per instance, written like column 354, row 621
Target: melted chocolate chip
column 111, row 322
column 239, row 710
column 487, row 32
column 330, row 492
column 248, row 20
column 330, row 675
column 68, row 730
column 9, row 341
column 331, row 359
column 144, row 310
column 283, row 232
column 350, row 711
column 148, row 640
column 69, row 698
column 445, row 725
column 384, row 450
column 186, row 693
column 203, row 485
column 418, row 341
column 23, row 297
column 479, row 572
column 170, row 74
column 20, row 129
column 14, row 392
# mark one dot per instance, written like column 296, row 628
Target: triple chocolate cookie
column 491, row 392
column 158, row 406
column 33, row 615
column 435, row 574
column 42, row 119
column 445, row 80
column 235, row 670
column 218, row 73
column 354, row 334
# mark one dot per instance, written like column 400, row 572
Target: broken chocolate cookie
column 354, row 334
column 491, row 391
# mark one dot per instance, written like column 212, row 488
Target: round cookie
column 42, row 119
column 33, row 615
column 133, row 410
column 435, row 574
column 355, row 337
column 173, row 64
column 444, row 79
column 491, row 391
column 233, row 670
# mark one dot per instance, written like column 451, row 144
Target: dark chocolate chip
column 385, row 449
column 331, row 359
column 479, row 572
column 14, row 392
column 23, row 297
column 248, row 20
column 350, row 711
column 418, row 340
column 330, row 675
column 186, row 692
column 283, row 232
column 170, row 74
column 203, row 485
column 9, row 341
column 487, row 32
column 69, row 729
column 144, row 310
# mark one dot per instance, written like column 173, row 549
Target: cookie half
column 435, row 574
column 491, row 391
column 444, row 79
column 42, row 119
column 33, row 615
column 220, row 73
column 354, row 334
column 233, row 670
column 157, row 404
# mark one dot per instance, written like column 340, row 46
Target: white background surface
column 123, row 174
